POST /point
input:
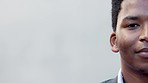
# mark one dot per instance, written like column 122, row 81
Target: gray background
column 56, row 41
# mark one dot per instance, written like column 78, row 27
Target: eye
column 133, row 26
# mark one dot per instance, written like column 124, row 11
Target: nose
column 144, row 34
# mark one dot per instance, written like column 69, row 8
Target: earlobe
column 113, row 42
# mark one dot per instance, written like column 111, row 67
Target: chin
column 143, row 70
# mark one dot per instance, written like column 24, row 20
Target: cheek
column 126, row 43
column 126, row 48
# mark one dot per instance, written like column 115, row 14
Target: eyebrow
column 131, row 18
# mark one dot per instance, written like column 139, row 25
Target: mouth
column 143, row 52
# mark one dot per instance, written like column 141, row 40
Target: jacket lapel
column 111, row 80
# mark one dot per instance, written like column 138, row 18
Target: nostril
column 144, row 38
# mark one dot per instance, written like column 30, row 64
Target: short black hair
column 116, row 7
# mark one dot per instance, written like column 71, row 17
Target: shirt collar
column 120, row 77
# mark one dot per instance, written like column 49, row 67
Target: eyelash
column 133, row 26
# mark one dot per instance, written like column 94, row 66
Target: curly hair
column 116, row 7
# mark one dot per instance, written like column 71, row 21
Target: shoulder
column 110, row 81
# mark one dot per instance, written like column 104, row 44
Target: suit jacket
column 111, row 80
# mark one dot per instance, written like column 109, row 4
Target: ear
column 113, row 42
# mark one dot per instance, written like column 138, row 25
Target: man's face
column 131, row 36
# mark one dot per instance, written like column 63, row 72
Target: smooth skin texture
column 131, row 40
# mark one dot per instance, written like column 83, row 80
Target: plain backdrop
column 56, row 41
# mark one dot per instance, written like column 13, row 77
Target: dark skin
column 131, row 40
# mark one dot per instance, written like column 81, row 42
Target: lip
column 143, row 52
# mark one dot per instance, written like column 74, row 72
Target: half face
column 131, row 36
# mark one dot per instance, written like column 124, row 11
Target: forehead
column 134, row 7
